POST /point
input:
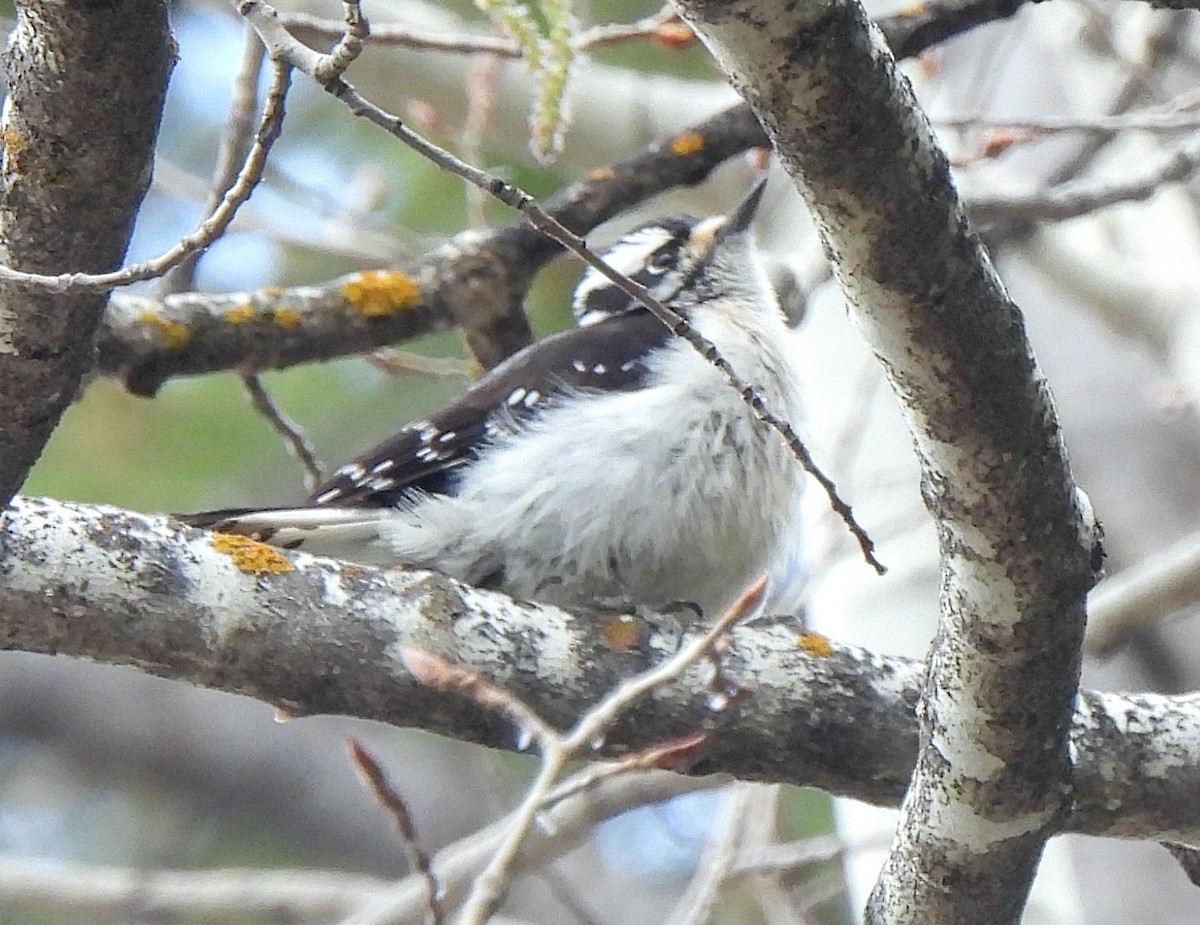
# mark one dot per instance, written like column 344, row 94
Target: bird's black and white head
column 680, row 260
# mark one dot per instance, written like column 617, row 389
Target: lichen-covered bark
column 129, row 589
column 85, row 83
column 993, row 777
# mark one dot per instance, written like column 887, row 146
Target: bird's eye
column 661, row 260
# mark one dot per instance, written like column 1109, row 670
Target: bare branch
column 167, row 601
column 478, row 280
column 144, row 342
column 698, row 900
column 1138, row 598
column 314, row 895
column 236, row 139
column 390, row 799
column 293, row 437
column 496, row 879
column 1082, row 197
column 208, row 231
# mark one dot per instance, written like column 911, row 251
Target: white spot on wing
column 325, row 496
column 516, row 396
column 380, row 467
column 532, row 398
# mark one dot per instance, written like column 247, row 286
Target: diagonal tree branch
column 475, row 279
column 1017, row 540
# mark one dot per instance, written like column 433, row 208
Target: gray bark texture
column 1019, row 549
column 85, row 83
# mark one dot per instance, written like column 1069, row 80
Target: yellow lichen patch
column 815, row 644
column 286, row 317
column 14, row 147
column 601, row 174
column 172, row 334
column 687, row 143
column 251, row 555
column 240, row 314
column 622, row 632
column 380, row 293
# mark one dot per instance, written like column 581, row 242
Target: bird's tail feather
column 338, row 532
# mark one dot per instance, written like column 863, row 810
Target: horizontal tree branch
column 321, row 636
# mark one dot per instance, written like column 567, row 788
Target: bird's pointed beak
column 740, row 218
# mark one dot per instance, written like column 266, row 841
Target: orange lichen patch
column 815, row 644
column 601, row 174
column 286, row 317
column 240, row 314
column 380, row 293
column 172, row 334
column 673, row 35
column 14, row 146
column 251, row 555
column 622, row 632
column 687, row 143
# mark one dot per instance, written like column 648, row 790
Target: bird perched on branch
column 607, row 465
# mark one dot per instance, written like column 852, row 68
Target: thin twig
column 612, row 33
column 697, row 902
column 1080, row 198
column 481, row 98
column 791, row 856
column 667, row 756
column 269, row 127
column 417, row 40
column 593, row 724
column 390, row 799
column 291, row 432
column 398, row 362
column 436, row 672
column 236, row 138
column 349, row 44
column 1134, row 600
column 557, row 751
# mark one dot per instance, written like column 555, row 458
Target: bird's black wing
column 607, row 356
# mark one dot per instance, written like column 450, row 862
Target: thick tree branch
column 325, row 637
column 85, row 89
column 475, row 279
column 1017, row 542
